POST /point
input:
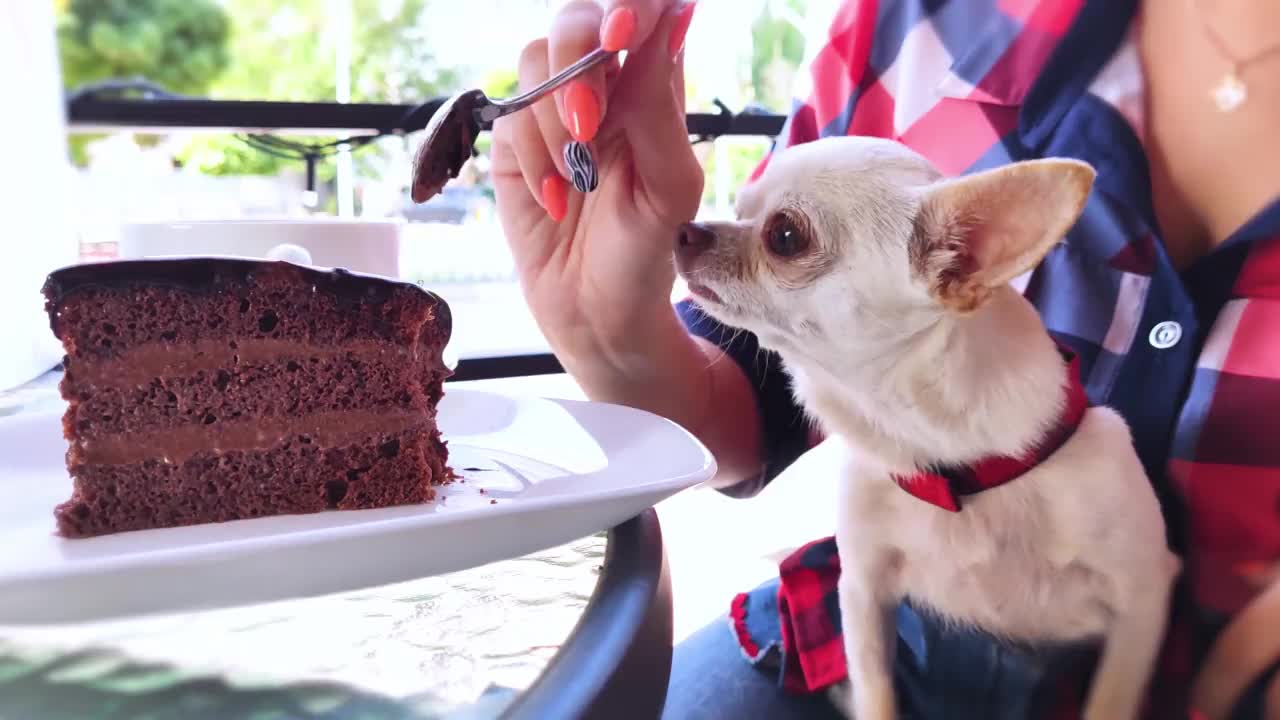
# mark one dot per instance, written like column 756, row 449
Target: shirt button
column 1165, row 335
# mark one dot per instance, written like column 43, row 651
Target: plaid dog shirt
column 1191, row 359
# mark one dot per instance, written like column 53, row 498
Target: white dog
column 885, row 290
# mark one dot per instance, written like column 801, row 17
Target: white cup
column 365, row 246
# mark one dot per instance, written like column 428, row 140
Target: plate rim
column 243, row 547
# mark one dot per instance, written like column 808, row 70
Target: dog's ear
column 978, row 232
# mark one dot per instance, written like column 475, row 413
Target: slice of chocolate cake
column 212, row 389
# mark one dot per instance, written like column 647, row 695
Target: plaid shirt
column 1191, row 359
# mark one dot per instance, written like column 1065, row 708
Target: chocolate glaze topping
column 451, row 137
column 198, row 274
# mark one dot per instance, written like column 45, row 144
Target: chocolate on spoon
column 451, row 137
column 453, row 129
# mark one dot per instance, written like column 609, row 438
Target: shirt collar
column 945, row 486
column 1040, row 56
column 1097, row 30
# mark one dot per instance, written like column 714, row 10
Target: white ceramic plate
column 558, row 470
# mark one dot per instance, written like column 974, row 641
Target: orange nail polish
column 555, row 196
column 583, row 110
column 681, row 28
column 618, row 29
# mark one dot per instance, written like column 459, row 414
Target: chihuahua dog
column 886, row 291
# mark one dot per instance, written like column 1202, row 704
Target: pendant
column 1230, row 92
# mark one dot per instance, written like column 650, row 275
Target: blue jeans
column 711, row 680
column 940, row 673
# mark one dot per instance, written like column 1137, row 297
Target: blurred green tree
column 777, row 50
column 287, row 50
column 250, row 50
column 178, row 44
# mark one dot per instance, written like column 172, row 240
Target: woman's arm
column 689, row 380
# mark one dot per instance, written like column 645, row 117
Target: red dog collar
column 944, row 486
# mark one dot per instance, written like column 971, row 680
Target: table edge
column 616, row 662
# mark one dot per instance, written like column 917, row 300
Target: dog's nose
column 692, row 239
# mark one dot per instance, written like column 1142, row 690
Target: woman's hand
column 596, row 267
column 1245, row 649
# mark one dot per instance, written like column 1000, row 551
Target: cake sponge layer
column 297, row 476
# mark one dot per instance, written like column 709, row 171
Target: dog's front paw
column 874, row 702
column 1103, row 707
column 841, row 697
column 877, row 706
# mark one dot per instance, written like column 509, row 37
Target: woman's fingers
column 520, row 144
column 555, row 137
column 550, row 145
column 642, row 17
column 651, row 112
column 575, row 33
column 675, row 42
column 582, row 26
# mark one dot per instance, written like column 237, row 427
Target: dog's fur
column 893, row 314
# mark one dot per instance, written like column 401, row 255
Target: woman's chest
column 1209, row 129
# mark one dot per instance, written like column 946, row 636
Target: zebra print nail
column 582, row 167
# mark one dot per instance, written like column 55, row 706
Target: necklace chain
column 1231, row 91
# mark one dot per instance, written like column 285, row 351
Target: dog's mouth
column 702, row 292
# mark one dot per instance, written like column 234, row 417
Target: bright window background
column 744, row 53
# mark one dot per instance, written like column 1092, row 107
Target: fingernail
column 681, row 28
column 618, row 29
column 583, row 110
column 582, row 166
column 555, row 196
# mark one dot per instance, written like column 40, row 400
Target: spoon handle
column 494, row 109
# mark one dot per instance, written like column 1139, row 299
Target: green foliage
column 743, row 157
column 285, row 50
column 393, row 58
column 223, row 155
column 777, row 51
column 501, row 84
column 179, row 44
column 250, row 50
column 778, row 47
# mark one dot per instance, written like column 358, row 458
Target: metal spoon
column 452, row 130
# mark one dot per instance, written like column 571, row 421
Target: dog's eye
column 785, row 237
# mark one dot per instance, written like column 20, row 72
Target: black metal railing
column 90, row 112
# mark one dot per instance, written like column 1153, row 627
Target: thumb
column 649, row 106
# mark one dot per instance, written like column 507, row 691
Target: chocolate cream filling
column 175, row 446
column 451, row 137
